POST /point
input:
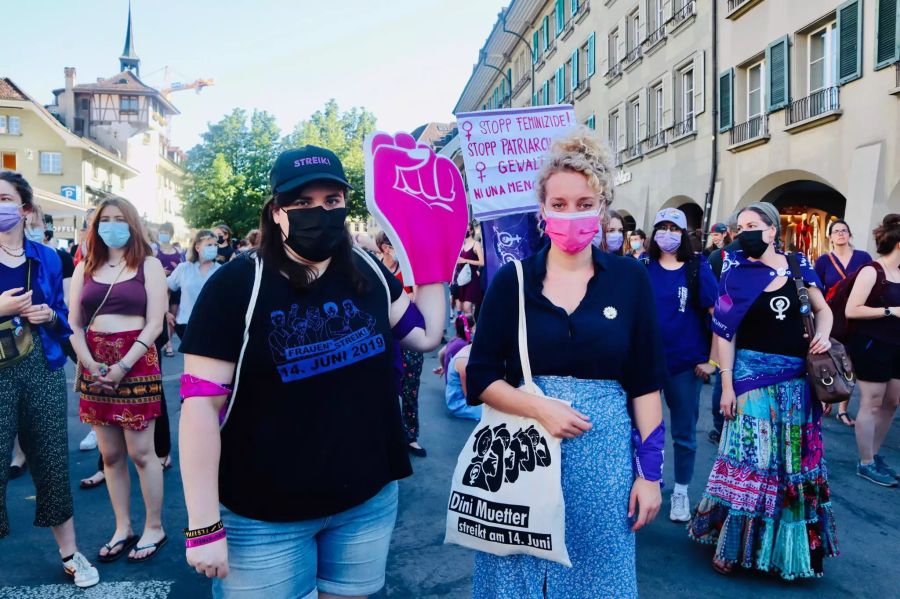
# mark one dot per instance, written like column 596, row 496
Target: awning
column 57, row 206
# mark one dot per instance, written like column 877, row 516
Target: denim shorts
column 343, row 554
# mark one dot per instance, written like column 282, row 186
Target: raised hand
column 419, row 200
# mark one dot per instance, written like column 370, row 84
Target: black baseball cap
column 300, row 166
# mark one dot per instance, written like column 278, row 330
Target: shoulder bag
column 506, row 493
column 16, row 341
column 831, row 374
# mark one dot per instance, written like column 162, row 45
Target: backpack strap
column 806, row 312
column 881, row 281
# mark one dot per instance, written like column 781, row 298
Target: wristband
column 724, row 370
column 142, row 343
column 648, row 455
column 199, row 532
column 205, row 539
column 121, row 365
column 712, row 362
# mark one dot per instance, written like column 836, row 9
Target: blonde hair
column 579, row 151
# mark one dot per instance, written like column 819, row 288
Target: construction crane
column 177, row 86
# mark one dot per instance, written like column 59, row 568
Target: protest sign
column 503, row 151
column 419, row 201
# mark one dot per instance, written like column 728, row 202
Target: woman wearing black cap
column 311, row 442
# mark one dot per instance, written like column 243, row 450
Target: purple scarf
column 743, row 280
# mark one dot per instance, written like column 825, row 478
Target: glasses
column 840, row 232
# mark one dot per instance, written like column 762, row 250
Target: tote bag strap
column 523, row 328
column 248, row 316
column 371, row 261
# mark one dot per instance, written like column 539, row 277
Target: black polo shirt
column 613, row 334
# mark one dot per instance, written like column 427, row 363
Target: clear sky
column 405, row 60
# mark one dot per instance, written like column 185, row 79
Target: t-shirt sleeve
column 495, row 339
column 645, row 369
column 709, row 286
column 820, row 266
column 174, row 279
column 216, row 327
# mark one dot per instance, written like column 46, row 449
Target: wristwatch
column 887, row 312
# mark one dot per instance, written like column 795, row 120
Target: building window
column 687, row 94
column 756, row 101
column 554, row 85
column 655, row 15
column 13, row 125
column 545, row 33
column 128, row 104
column 613, row 48
column 9, row 161
column 560, row 16
column 634, row 30
column 634, row 122
column 3, row 124
column 590, row 53
column 85, row 104
column 614, row 131
column 822, row 58
column 51, row 163
column 657, row 107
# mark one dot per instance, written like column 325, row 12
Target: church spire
column 129, row 60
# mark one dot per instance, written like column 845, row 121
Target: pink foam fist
column 419, row 201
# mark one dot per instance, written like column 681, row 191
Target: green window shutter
column 509, row 81
column 778, row 75
column 560, row 83
column 849, row 32
column 545, row 92
column 534, row 99
column 887, row 33
column 545, row 32
column 726, row 100
column 535, row 48
column 592, row 122
column 573, row 8
column 560, row 16
column 575, row 74
column 591, row 55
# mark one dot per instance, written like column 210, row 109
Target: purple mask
column 9, row 216
column 668, row 241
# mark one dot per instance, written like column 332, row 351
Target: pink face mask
column 572, row 231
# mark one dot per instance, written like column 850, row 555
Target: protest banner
column 503, row 151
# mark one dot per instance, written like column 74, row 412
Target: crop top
column 127, row 298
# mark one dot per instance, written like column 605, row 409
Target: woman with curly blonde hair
column 594, row 343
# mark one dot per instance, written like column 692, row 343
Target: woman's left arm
column 821, row 343
column 432, row 304
column 646, row 496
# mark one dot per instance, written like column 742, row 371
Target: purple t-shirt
column 169, row 261
column 830, row 276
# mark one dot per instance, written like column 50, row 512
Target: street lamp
column 482, row 59
column 527, row 45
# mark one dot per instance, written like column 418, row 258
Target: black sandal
column 89, row 483
column 844, row 418
column 154, row 546
column 126, row 543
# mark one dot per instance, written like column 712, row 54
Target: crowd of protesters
column 621, row 321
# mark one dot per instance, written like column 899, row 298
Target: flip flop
column 154, row 546
column 126, row 543
column 88, row 483
column 167, row 463
column 169, row 352
column 844, row 418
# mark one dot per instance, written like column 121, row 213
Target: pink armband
column 192, row 386
column 205, row 539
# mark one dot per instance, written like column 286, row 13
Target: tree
column 342, row 133
column 229, row 171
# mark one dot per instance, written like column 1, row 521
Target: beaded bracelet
column 205, row 539
column 199, row 532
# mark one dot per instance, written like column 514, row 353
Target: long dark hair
column 303, row 276
column 684, row 253
column 887, row 235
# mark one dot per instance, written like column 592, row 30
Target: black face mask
column 752, row 243
column 221, row 239
column 315, row 233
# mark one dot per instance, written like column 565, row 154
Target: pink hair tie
column 192, row 386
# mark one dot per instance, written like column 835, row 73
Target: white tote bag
column 464, row 276
column 506, row 495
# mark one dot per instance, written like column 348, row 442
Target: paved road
column 420, row 566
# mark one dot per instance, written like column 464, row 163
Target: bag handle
column 837, row 266
column 248, row 317
column 523, row 328
column 809, row 323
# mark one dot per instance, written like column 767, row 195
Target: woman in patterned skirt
column 594, row 341
column 118, row 304
column 767, row 503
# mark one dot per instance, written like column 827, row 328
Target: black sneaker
column 714, row 436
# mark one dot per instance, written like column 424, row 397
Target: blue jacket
column 48, row 276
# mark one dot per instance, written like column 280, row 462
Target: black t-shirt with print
column 315, row 428
column 774, row 325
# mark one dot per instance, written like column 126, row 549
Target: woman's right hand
column 728, row 404
column 210, row 559
column 561, row 420
column 12, row 304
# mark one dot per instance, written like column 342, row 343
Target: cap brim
column 300, row 181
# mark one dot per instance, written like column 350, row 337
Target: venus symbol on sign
column 780, row 305
column 467, row 127
column 480, row 167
